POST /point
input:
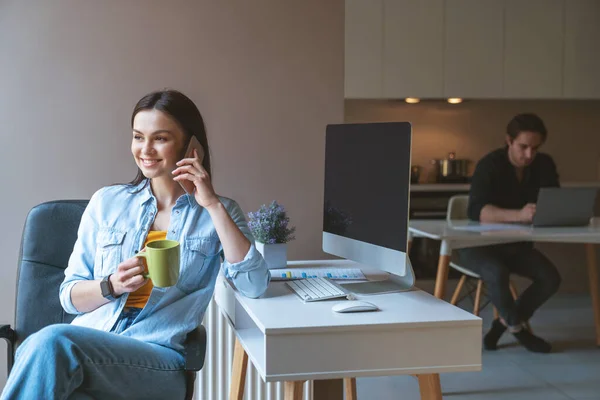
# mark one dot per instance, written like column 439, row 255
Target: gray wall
column 266, row 74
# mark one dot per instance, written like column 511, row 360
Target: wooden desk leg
column 442, row 276
column 328, row 389
column 293, row 390
column 430, row 388
column 593, row 276
column 429, row 384
column 238, row 372
column 349, row 388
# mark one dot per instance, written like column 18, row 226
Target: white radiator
column 213, row 381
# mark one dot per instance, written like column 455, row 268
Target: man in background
column 504, row 188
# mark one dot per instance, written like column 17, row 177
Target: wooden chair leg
column 459, row 287
column 238, row 372
column 293, row 390
column 496, row 315
column 349, row 388
column 430, row 388
column 477, row 303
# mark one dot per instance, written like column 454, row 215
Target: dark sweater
column 495, row 182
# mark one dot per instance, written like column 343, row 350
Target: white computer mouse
column 354, row 306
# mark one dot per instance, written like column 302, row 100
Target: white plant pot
column 274, row 254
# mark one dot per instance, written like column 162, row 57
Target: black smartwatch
column 107, row 289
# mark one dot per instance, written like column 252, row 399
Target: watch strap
column 106, row 288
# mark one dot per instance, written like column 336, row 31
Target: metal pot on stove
column 452, row 169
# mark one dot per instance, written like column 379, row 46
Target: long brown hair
column 183, row 110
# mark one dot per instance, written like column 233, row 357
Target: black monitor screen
column 367, row 172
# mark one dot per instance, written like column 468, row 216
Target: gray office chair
column 49, row 235
column 457, row 210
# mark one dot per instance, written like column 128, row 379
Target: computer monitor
column 367, row 184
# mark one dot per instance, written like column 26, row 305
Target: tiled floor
column 572, row 371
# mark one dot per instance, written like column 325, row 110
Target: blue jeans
column 71, row 362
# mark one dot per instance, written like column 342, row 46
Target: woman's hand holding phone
column 187, row 185
column 194, row 178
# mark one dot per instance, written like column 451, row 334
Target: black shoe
column 532, row 342
column 490, row 340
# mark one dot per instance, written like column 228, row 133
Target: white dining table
column 457, row 234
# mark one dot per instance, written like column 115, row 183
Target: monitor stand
column 394, row 283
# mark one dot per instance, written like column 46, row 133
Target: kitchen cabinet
column 582, row 49
column 363, row 49
column 473, row 48
column 477, row 49
column 533, row 48
column 413, row 33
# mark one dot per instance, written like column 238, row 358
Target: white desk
column 456, row 239
column 288, row 340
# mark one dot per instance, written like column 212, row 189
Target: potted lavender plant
column 269, row 225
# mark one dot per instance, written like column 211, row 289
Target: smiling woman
column 123, row 322
column 176, row 116
column 156, row 152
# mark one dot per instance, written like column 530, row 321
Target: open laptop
column 565, row 206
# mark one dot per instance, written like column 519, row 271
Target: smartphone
column 194, row 144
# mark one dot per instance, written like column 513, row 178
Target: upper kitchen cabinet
column 413, row 41
column 533, row 48
column 582, row 49
column 363, row 49
column 473, row 48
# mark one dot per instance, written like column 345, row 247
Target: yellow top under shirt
column 139, row 298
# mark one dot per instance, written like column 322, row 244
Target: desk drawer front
column 391, row 352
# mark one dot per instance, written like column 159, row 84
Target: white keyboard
column 315, row 289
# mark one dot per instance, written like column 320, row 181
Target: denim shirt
column 114, row 227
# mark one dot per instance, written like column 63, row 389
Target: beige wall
column 266, row 74
column 474, row 128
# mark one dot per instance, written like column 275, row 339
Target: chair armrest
column 8, row 334
column 195, row 349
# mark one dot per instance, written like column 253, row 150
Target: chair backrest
column 457, row 208
column 49, row 235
